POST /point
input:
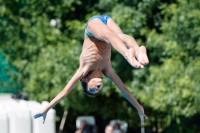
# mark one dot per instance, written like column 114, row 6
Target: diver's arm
column 66, row 89
column 81, row 72
column 61, row 95
column 126, row 93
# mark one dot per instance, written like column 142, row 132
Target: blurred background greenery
column 40, row 44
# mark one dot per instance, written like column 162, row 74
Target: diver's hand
column 142, row 115
column 41, row 114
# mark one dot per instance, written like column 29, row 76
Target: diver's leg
column 102, row 32
column 130, row 42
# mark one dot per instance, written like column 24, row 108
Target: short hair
column 85, row 87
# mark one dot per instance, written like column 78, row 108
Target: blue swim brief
column 103, row 18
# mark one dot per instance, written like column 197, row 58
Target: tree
column 43, row 40
column 172, row 83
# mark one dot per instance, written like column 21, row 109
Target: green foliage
column 172, row 83
column 43, row 40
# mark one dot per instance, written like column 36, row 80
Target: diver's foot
column 131, row 58
column 142, row 56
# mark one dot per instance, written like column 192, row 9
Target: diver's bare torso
column 95, row 55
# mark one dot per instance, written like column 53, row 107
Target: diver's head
column 92, row 83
